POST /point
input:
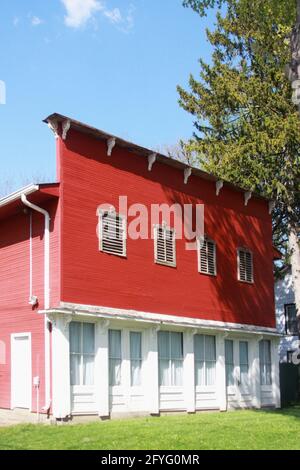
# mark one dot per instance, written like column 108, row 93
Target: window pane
column 75, row 339
column 199, row 347
column 210, row 376
column 164, row 372
column 210, row 348
column 163, row 345
column 229, row 375
column 243, row 353
column 176, row 346
column 228, row 351
column 268, row 374
column 75, row 369
column 229, row 362
column 135, row 345
column 88, row 333
column 114, row 372
column 177, row 373
column 114, row 340
column 136, row 366
column 136, row 356
column 244, row 375
column 199, row 373
column 88, row 370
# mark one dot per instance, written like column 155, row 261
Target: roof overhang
column 37, row 193
column 70, row 312
column 58, row 120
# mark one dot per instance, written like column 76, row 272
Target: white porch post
column 101, row 369
column 275, row 373
column 221, row 372
column 151, row 372
column 255, row 375
column 189, row 372
column 61, row 389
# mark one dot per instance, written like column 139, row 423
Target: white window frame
column 172, row 230
column 205, row 362
column 81, row 354
column 141, row 359
column 245, row 250
column 199, row 245
column 124, row 228
column 171, row 360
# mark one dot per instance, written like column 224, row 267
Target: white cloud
column 36, row 21
column 16, row 21
column 114, row 15
column 80, row 11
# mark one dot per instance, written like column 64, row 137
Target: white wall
column 284, row 295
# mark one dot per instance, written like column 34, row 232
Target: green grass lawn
column 234, row 430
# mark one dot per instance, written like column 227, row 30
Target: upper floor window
column 165, row 245
column 291, row 322
column 207, row 257
column 112, row 233
column 245, row 265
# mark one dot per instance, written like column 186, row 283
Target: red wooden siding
column 16, row 315
column 90, row 178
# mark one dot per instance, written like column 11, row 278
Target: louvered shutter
column 113, row 233
column 207, row 257
column 245, row 266
column 165, row 246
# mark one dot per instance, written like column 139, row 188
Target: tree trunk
column 295, row 265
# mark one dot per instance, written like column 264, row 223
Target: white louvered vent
column 113, row 233
column 245, row 265
column 165, row 248
column 207, row 257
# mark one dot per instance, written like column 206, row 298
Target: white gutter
column 32, row 188
column 46, row 292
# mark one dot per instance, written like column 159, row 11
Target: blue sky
column 113, row 64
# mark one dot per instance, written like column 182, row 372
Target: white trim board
column 67, row 308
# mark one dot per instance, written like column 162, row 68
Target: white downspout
column 46, row 294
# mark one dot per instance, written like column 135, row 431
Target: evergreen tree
column 247, row 130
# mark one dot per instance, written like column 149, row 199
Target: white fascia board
column 110, row 313
column 32, row 188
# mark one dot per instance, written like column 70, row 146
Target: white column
column 101, row 369
column 189, row 372
column 275, row 373
column 255, row 373
column 61, row 390
column 151, row 372
column 221, row 372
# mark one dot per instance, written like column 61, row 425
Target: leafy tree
column 247, row 130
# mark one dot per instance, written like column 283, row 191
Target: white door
column 21, row 371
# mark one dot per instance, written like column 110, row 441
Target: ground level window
column 244, row 364
column 205, row 360
column 82, row 353
column 115, row 357
column 265, row 362
column 136, row 358
column 170, row 353
column 229, row 362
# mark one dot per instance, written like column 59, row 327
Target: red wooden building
column 93, row 321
